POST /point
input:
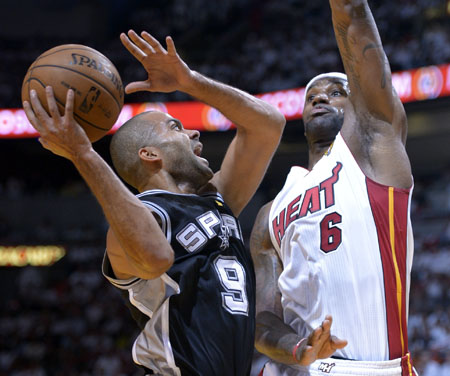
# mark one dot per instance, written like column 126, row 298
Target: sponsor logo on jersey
column 326, row 367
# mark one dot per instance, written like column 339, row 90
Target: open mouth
column 198, row 152
column 198, row 149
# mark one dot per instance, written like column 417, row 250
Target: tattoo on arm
column 359, row 11
column 346, row 53
column 374, row 46
column 370, row 46
column 383, row 79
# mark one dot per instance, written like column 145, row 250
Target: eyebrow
column 332, row 82
column 176, row 121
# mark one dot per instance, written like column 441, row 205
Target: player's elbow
column 270, row 133
column 157, row 263
column 164, row 262
column 277, row 122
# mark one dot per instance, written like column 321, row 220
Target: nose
column 193, row 134
column 320, row 98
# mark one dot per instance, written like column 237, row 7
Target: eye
column 310, row 98
column 176, row 125
column 336, row 93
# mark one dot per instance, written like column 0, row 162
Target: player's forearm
column 364, row 59
column 244, row 110
column 357, row 37
column 131, row 221
column 274, row 338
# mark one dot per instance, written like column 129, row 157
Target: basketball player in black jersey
column 182, row 264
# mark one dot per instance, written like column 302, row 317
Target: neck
column 316, row 152
column 163, row 180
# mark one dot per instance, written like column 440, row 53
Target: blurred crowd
column 66, row 319
column 259, row 46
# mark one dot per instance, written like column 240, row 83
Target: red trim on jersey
column 407, row 368
column 390, row 212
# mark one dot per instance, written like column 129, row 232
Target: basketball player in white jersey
column 337, row 239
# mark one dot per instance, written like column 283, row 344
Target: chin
column 327, row 126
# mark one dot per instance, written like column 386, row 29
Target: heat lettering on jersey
column 311, row 202
column 193, row 237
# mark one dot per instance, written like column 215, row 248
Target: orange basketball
column 93, row 78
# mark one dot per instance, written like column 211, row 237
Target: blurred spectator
column 256, row 45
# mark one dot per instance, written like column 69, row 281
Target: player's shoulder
column 295, row 173
column 264, row 211
column 260, row 233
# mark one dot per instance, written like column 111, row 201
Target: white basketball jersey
column 346, row 246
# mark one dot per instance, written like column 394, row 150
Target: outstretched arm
column 376, row 130
column 366, row 63
column 131, row 222
column 273, row 337
column 259, row 125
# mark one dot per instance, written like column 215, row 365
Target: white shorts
column 339, row 367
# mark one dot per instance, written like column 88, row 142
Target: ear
column 150, row 156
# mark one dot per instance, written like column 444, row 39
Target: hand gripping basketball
column 97, row 86
column 60, row 134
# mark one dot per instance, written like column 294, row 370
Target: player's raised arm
column 259, row 124
column 259, row 129
column 366, row 64
column 273, row 337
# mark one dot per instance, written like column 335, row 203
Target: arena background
column 65, row 319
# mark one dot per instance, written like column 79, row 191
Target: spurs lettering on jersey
column 194, row 236
column 311, row 202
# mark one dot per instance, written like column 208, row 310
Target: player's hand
column 167, row 72
column 62, row 135
column 320, row 344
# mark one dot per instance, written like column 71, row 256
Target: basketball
column 92, row 76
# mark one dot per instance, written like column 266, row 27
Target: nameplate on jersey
column 309, row 202
column 207, row 226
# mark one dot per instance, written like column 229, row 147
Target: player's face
column 323, row 113
column 182, row 150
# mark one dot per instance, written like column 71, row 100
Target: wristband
column 294, row 351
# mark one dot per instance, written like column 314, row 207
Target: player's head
column 325, row 98
column 154, row 141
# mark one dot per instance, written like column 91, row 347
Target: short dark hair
column 133, row 135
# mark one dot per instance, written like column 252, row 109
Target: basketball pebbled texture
column 93, row 78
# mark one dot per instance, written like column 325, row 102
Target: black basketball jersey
column 199, row 317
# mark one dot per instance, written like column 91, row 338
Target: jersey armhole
column 108, row 273
column 163, row 216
